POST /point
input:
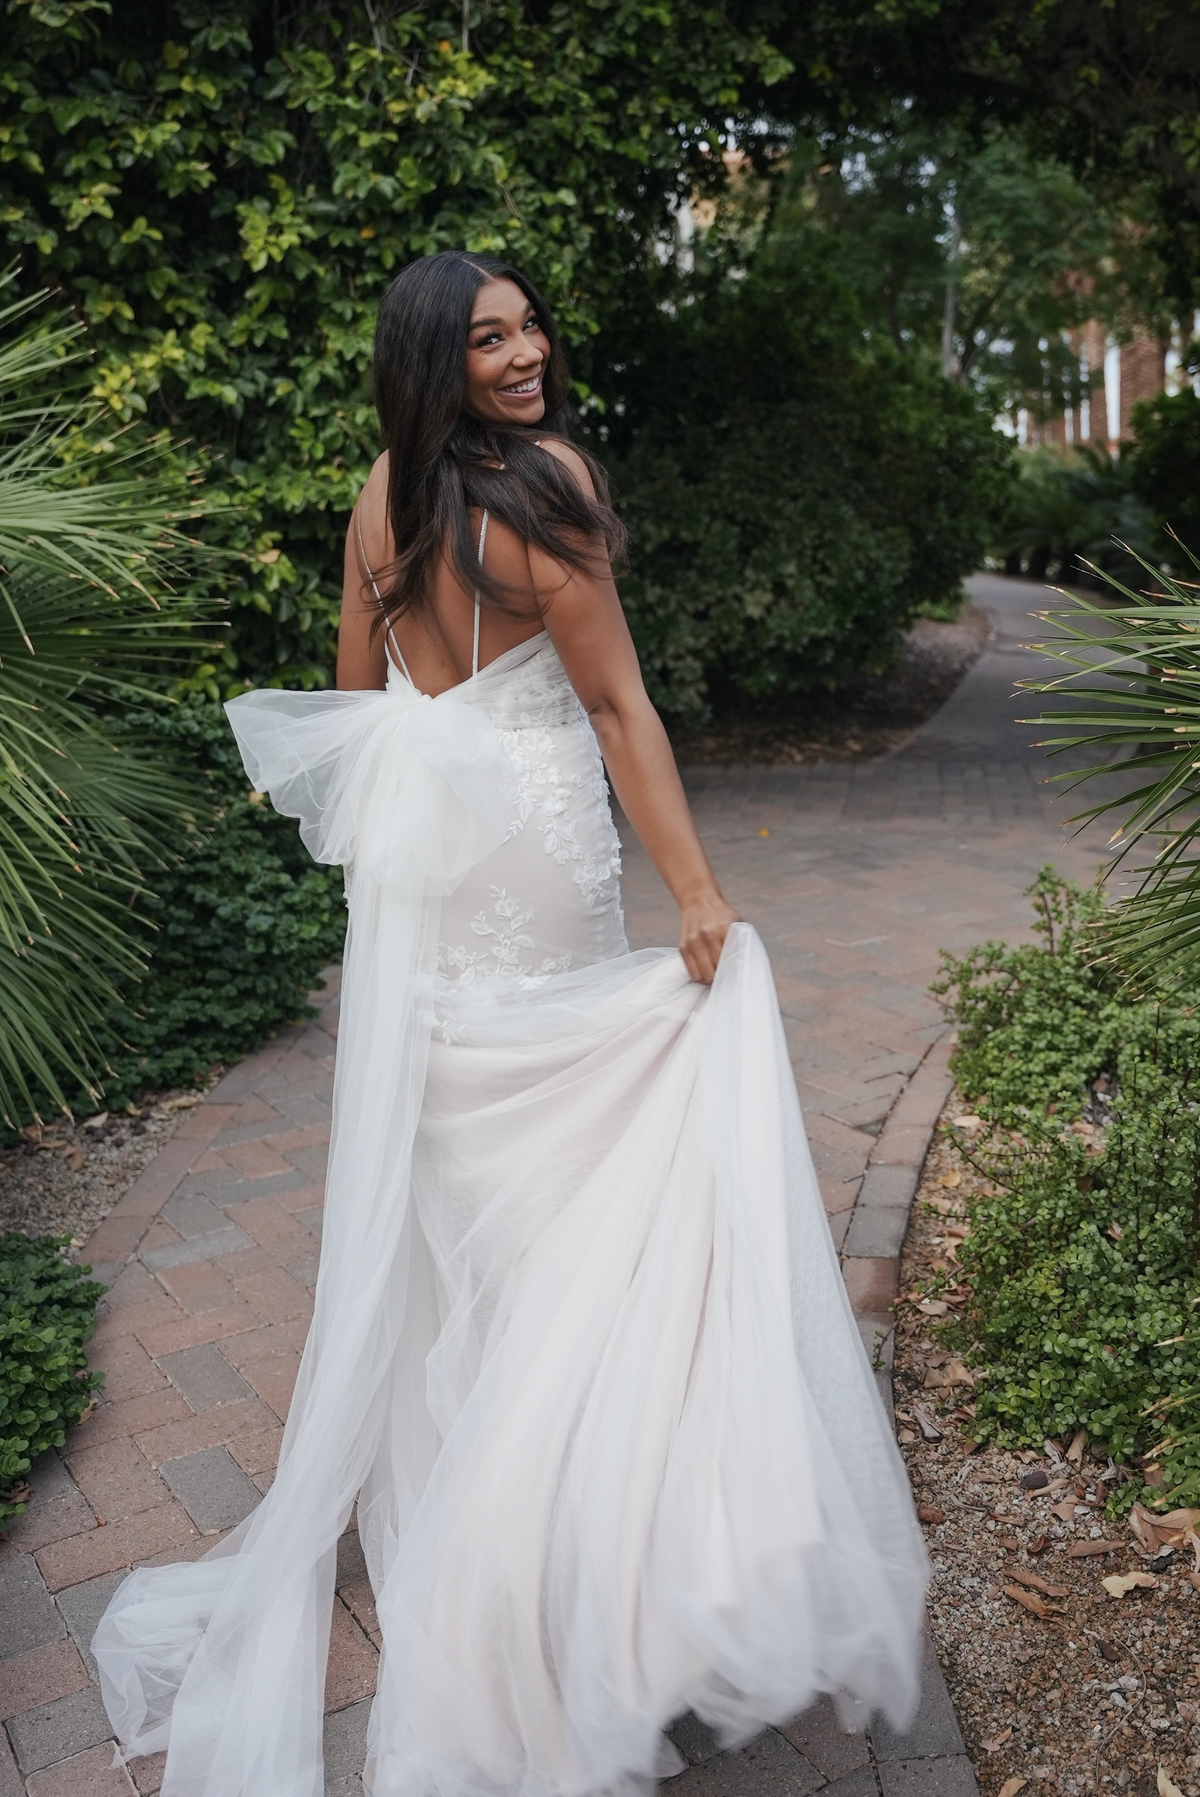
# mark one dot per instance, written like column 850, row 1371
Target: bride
column 581, row 1353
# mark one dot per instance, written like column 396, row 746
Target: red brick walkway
column 855, row 876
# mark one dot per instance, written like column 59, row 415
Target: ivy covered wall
column 223, row 191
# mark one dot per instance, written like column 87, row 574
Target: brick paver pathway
column 855, row 876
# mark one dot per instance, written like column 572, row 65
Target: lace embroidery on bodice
column 549, row 899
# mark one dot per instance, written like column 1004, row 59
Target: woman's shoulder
column 569, row 456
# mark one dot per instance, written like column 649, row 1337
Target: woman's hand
column 704, row 925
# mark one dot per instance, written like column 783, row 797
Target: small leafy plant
column 1083, row 1258
column 47, row 1312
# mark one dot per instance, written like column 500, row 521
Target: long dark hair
column 442, row 460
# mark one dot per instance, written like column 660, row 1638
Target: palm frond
column 1145, row 718
column 89, row 631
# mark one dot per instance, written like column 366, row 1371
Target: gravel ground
column 65, row 1178
column 1056, row 1681
column 882, row 715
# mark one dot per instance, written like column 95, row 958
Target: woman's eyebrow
column 476, row 323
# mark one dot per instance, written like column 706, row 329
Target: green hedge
column 1164, row 467
column 223, row 192
column 47, row 1312
column 794, row 496
column 1083, row 1260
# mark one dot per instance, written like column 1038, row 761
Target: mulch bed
column 878, row 717
column 1056, row 1682
column 64, row 1178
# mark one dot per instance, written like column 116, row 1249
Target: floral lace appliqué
column 506, row 934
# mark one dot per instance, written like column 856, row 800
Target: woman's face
column 507, row 353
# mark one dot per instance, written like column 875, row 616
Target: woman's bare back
column 437, row 642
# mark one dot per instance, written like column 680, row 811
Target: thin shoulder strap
column 374, row 588
column 479, row 559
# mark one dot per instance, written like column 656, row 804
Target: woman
column 581, row 1351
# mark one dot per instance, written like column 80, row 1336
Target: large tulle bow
column 407, row 790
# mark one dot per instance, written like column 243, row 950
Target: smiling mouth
column 523, row 389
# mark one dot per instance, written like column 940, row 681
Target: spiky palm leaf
column 85, row 812
column 1144, row 719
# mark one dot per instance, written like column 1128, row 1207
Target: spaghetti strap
column 374, row 588
column 479, row 559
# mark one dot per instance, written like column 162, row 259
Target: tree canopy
column 1112, row 91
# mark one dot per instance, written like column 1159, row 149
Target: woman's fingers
column 701, row 942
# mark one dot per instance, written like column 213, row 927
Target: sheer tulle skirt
column 581, row 1348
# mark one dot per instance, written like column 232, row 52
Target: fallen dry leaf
column 1037, row 1583
column 1176, row 1522
column 926, row 1424
column 1078, row 1443
column 1011, row 1786
column 74, row 1157
column 997, row 1741
column 1143, row 1526
column 1038, row 1545
column 933, row 1307
column 1193, row 1579
column 1120, row 1584
column 953, row 1178
column 930, row 1513
column 970, row 1121
column 1009, row 1543
column 1029, row 1600
column 1166, row 1784
column 1083, row 1550
column 1064, row 1511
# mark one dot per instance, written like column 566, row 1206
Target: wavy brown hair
column 442, row 461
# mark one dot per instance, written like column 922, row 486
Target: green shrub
column 1071, row 507
column 793, row 497
column 47, row 1312
column 243, row 923
column 1164, row 465
column 1039, row 1021
column 1083, row 1259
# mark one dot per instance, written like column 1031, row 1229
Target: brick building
column 1129, row 373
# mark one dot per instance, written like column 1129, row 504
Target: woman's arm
column 587, row 626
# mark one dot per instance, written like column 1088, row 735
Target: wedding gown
column 581, row 1350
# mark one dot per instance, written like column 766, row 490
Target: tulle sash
column 225, row 1659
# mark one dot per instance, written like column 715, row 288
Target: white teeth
column 525, row 386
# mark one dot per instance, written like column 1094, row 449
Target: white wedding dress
column 581, row 1350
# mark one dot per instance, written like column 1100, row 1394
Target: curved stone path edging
column 855, row 874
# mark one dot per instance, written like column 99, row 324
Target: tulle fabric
column 581, row 1348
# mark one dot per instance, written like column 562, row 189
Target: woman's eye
column 484, row 342
column 531, row 324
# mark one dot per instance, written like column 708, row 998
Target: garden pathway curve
column 855, row 874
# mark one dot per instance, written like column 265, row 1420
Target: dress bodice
column 548, row 900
